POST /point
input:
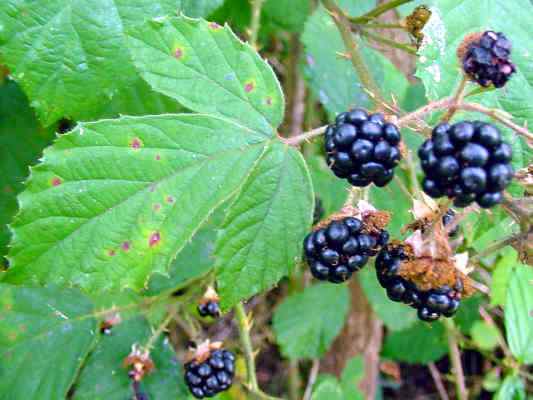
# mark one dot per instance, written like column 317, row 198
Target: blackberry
column 212, row 375
column 468, row 162
column 430, row 304
column 209, row 308
column 342, row 247
column 448, row 219
column 363, row 148
column 487, row 59
column 319, row 211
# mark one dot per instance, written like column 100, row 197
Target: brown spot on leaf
column 156, row 207
column 155, row 238
column 178, row 53
column 136, row 143
column 268, row 101
column 170, row 199
column 158, row 157
column 126, row 246
column 248, row 87
column 56, row 181
column 111, row 253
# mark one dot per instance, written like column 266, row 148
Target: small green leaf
column 37, row 328
column 395, row 316
column 105, row 378
column 251, row 253
column 208, row 69
column 353, row 373
column 21, row 141
column 306, row 323
column 328, row 389
column 485, row 336
column 468, row 313
column 512, row 388
column 430, row 341
column 503, row 271
column 492, row 380
column 519, row 314
column 114, row 201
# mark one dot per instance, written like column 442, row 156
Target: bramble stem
column 376, row 12
column 388, row 42
column 455, row 356
column 160, row 329
column 343, row 25
column 256, row 21
column 457, row 98
column 244, row 334
column 435, row 374
column 304, row 137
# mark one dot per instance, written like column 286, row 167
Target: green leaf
column 251, row 253
column 71, row 58
column 503, row 270
column 288, row 14
column 438, row 66
column 105, row 378
column 200, row 8
column 306, row 323
column 21, row 141
column 45, row 334
column 512, row 388
column 208, row 69
column 468, row 313
column 352, row 375
column 328, row 389
column 332, row 79
column 395, row 316
column 485, row 336
column 430, row 340
column 115, row 201
column 519, row 314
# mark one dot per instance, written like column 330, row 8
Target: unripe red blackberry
column 342, row 245
column 430, row 302
column 486, row 58
column 467, row 162
column 363, row 148
column 210, row 371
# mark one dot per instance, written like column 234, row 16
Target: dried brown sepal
column 428, row 273
column 139, row 362
column 111, row 320
column 209, row 295
column 524, row 177
column 202, row 351
column 373, row 220
column 416, row 21
column 466, row 43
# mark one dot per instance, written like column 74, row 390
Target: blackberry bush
column 467, row 162
column 342, row 246
column 430, row 302
column 487, row 59
column 363, row 148
column 210, row 371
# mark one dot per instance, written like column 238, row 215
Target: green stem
column 376, row 12
column 343, row 25
column 160, row 329
column 294, row 380
column 256, row 21
column 246, row 342
column 388, row 42
column 383, row 26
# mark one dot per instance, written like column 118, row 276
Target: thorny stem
column 388, row 42
column 343, row 25
column 304, row 137
column 376, row 12
column 256, row 21
column 294, row 380
column 457, row 99
column 455, row 356
column 160, row 329
column 243, row 325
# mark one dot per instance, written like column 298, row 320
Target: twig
column 423, row 111
column 312, row 379
column 498, row 246
column 455, row 356
column 488, row 319
column 343, row 25
column 304, row 137
column 256, row 21
column 388, row 42
column 457, row 99
column 243, row 325
column 376, row 12
column 435, row 374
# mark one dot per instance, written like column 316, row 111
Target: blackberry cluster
column 318, row 212
column 468, row 162
column 212, row 376
column 363, row 148
column 341, row 248
column 487, row 60
column 209, row 308
column 430, row 305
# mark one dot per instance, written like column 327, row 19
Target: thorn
column 343, row 55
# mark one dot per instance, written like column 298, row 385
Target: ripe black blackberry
column 430, row 304
column 363, row 148
column 210, row 375
column 467, row 161
column 486, row 59
column 340, row 248
column 210, row 308
column 318, row 212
